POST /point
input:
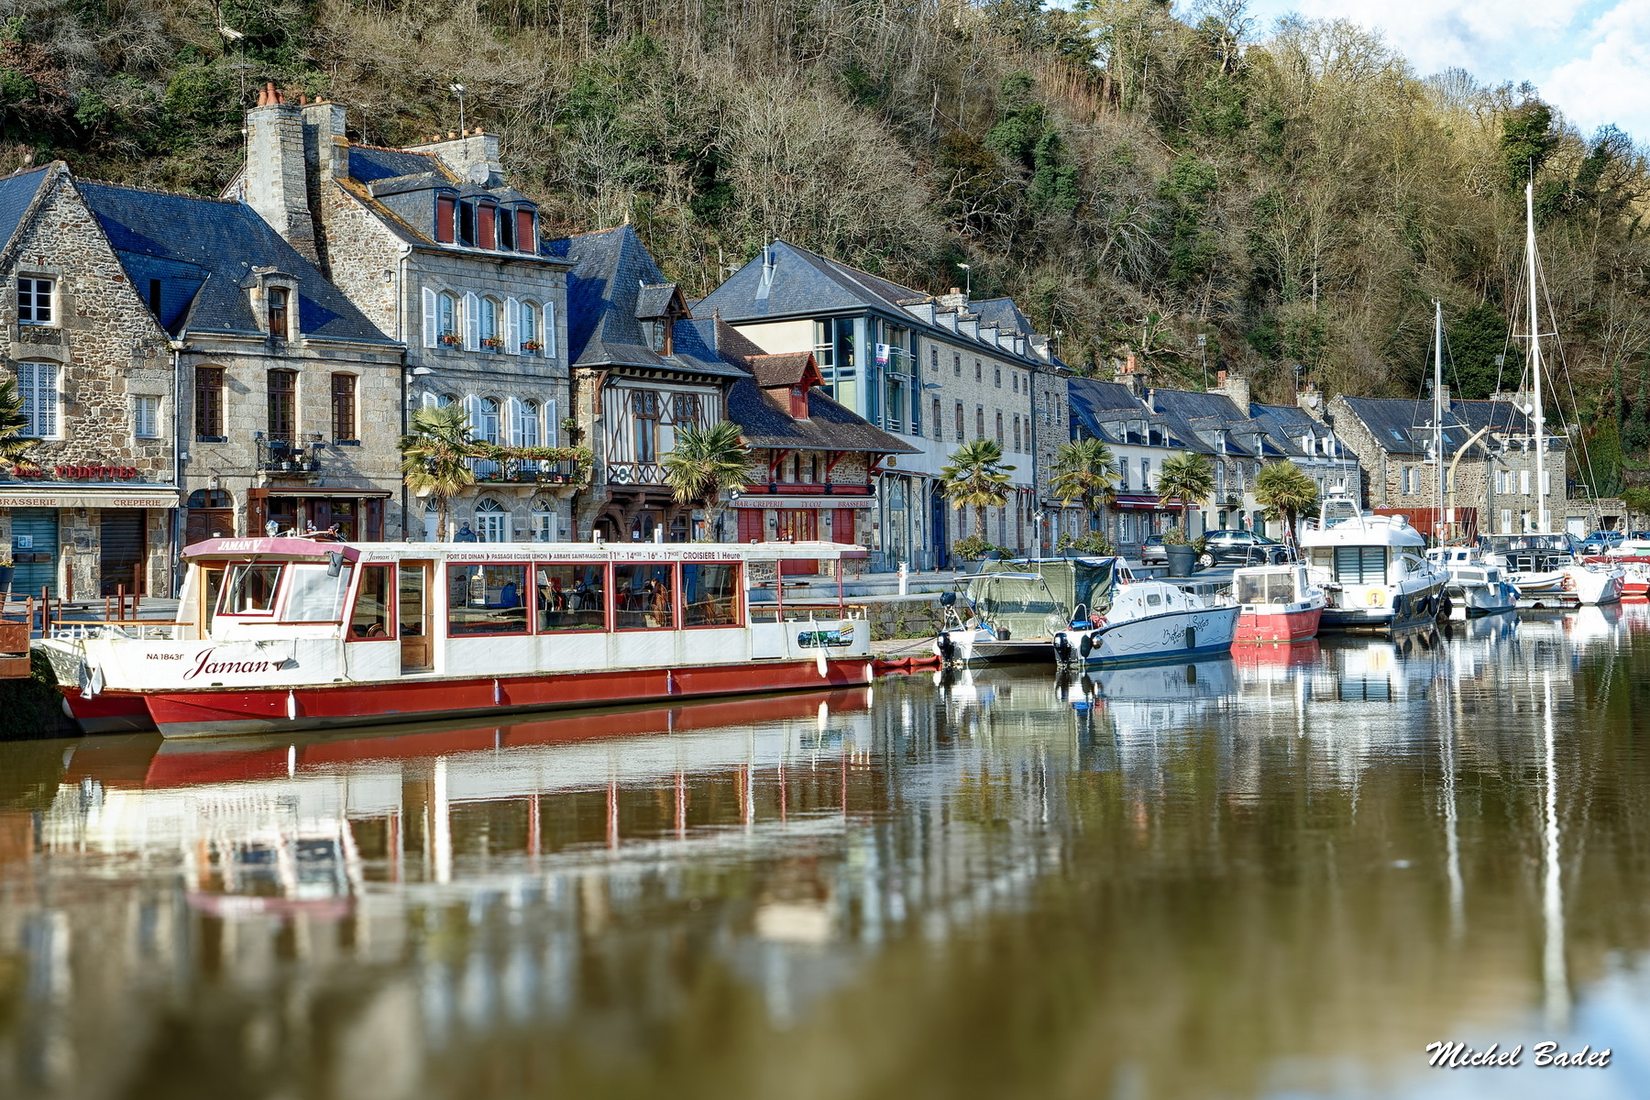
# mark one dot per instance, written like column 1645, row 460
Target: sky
column 1588, row 58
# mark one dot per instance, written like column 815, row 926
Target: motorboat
column 1373, row 570
column 1276, row 603
column 1475, row 587
column 1633, row 557
column 290, row 633
column 1011, row 610
column 1149, row 622
column 1545, row 570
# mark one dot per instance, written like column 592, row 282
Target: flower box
column 532, row 346
column 450, row 339
column 492, row 343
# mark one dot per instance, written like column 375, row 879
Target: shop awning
column 59, row 495
column 777, row 500
column 1141, row 502
column 305, row 491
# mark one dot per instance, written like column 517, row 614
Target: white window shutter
column 552, row 424
column 511, row 428
column 472, row 321
column 49, row 400
column 550, row 329
column 432, row 318
column 430, row 400
column 472, row 410
column 512, row 326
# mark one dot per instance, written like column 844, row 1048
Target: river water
column 1280, row 876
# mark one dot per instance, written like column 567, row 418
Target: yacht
column 1373, row 569
column 1475, row 587
column 1545, row 570
column 1012, row 609
column 1149, row 622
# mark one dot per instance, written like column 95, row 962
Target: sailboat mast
column 1540, row 415
column 1438, row 413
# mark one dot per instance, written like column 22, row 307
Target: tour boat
column 1371, row 569
column 1277, row 603
column 1149, row 622
column 287, row 633
column 1475, row 587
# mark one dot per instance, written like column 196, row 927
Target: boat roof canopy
column 293, row 547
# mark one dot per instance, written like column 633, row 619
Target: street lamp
column 1203, row 357
column 968, row 281
column 458, row 89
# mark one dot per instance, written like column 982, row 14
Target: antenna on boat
column 1535, row 365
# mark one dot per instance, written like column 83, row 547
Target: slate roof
column 1105, row 409
column 1403, row 426
column 766, row 423
column 1182, row 409
column 610, row 268
column 17, row 193
column 368, row 163
column 784, row 369
column 802, row 283
column 1003, row 313
column 1286, row 425
column 204, row 251
column 654, row 300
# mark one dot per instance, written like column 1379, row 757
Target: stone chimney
column 472, row 156
column 1129, row 374
column 954, row 299
column 325, row 146
column 1234, row 386
column 1310, row 401
column 275, row 179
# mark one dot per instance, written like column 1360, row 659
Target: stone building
column 815, row 461
column 287, row 399
column 1489, row 462
column 935, row 371
column 96, row 374
column 432, row 245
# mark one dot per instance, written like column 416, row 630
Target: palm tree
column 1188, row 476
column 706, row 463
column 1286, row 492
column 14, row 438
column 1083, row 471
column 977, row 478
column 434, row 456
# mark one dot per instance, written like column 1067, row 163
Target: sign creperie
column 77, row 473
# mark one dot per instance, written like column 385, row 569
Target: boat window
column 1360, row 564
column 250, row 589
column 316, row 593
column 1265, row 588
column 371, row 620
column 571, row 597
column 644, row 597
column 1153, row 599
column 710, row 594
column 486, row 599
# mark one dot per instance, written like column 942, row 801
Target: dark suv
column 1242, row 548
column 1152, row 551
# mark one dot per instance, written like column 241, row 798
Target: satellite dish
column 478, row 173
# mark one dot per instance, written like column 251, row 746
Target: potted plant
column 1181, row 553
column 493, row 343
column 531, row 346
column 451, row 339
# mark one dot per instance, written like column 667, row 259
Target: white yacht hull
column 1171, row 636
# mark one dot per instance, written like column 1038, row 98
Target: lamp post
column 1203, row 357
column 458, row 89
column 968, row 281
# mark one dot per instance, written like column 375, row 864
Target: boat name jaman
column 207, row 665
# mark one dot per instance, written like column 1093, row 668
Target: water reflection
column 1281, row 873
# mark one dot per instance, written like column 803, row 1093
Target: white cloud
column 1608, row 82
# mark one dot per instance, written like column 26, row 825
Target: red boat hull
column 211, row 713
column 1277, row 626
column 107, row 713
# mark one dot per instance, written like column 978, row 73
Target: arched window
column 446, row 313
column 490, row 337
column 531, row 343
column 487, row 420
column 528, row 417
column 546, row 527
column 492, row 521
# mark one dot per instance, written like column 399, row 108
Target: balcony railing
column 289, row 457
column 524, row 471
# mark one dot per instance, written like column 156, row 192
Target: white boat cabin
column 450, row 609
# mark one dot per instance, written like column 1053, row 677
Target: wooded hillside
column 1131, row 179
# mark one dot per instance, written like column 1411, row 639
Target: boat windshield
column 1273, row 586
column 250, row 589
column 316, row 593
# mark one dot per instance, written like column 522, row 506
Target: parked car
column 1242, row 548
column 1600, row 541
column 1152, row 551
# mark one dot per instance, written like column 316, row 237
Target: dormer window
column 467, row 223
column 507, row 230
column 278, row 299
column 527, row 229
column 446, row 211
column 486, row 225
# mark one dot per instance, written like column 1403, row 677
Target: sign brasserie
column 77, row 473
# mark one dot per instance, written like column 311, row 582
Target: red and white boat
column 1277, row 603
column 277, row 634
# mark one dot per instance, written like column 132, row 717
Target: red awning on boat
column 288, row 547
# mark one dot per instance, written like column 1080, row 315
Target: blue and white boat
column 1149, row 622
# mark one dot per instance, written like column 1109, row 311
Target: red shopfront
column 778, row 518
